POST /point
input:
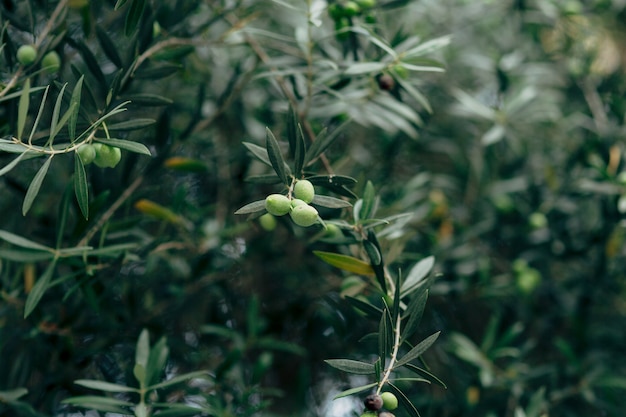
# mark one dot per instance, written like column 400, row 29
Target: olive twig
column 394, row 355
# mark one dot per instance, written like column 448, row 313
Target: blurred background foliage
column 513, row 170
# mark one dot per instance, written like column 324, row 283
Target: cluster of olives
column 104, row 156
column 342, row 11
column 297, row 206
column 375, row 403
column 27, row 54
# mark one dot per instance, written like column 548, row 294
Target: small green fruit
column 373, row 402
column 390, row 401
column 333, row 232
column 295, row 202
column 267, row 222
column 26, row 54
column 369, row 414
column 277, row 204
column 107, row 156
column 538, row 220
column 51, row 62
column 335, row 11
column 304, row 215
column 351, row 8
column 87, row 153
column 527, row 281
column 304, row 190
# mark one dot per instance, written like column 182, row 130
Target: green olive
column 390, row 401
column 304, row 215
column 268, row 222
column 51, row 62
column 351, row 8
column 277, row 204
column 297, row 202
column 87, row 153
column 107, row 156
column 26, row 54
column 304, row 190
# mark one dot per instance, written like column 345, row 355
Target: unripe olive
column 87, row 153
column 295, row 202
column 333, row 232
column 304, row 190
column 268, row 222
column 335, row 11
column 277, row 204
column 373, row 402
column 351, row 8
column 390, row 401
column 538, row 220
column 385, row 414
column 304, row 215
column 26, row 54
column 107, row 156
column 51, row 62
column 369, row 414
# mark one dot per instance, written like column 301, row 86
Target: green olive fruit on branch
column 304, row 215
column 26, row 54
column 304, row 190
column 390, row 401
column 87, row 153
column 107, row 156
column 277, row 204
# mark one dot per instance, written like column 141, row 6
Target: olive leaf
column 351, row 366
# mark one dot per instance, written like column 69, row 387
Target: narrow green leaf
column 322, row 142
column 134, row 15
column 133, row 124
column 372, row 252
column 275, row 156
column 258, row 152
column 351, row 366
column 104, row 386
column 40, row 287
column 156, row 72
column 418, row 350
column 56, row 111
column 180, row 378
column 108, row 47
column 156, row 360
column 370, row 310
column 119, row 4
column 75, row 108
column 345, row 262
column 415, row 93
column 365, row 68
column 81, row 188
column 323, row 180
column 378, row 368
column 330, row 202
column 12, row 395
column 414, row 312
column 423, row 371
column 23, row 242
column 24, row 255
column 20, row 92
column 127, row 145
column 8, row 167
column 64, row 119
column 35, row 185
column 142, row 352
column 90, row 60
column 369, row 201
column 416, row 275
column 22, row 109
column 12, row 147
column 403, row 399
column 254, row 207
column 105, row 404
column 355, row 390
column 264, row 179
column 383, row 336
column 146, row 99
column 39, row 114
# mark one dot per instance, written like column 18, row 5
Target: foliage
column 481, row 140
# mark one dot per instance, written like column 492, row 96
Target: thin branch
column 394, row 355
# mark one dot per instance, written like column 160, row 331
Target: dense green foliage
column 479, row 139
